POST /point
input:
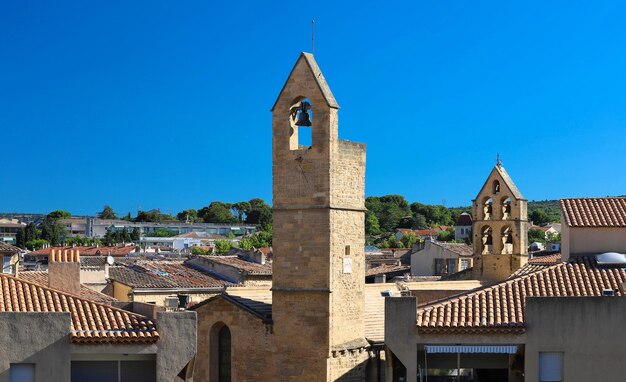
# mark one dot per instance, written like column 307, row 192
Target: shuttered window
column 550, row 367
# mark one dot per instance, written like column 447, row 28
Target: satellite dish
column 110, row 260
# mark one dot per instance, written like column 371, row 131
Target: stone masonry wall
column 250, row 339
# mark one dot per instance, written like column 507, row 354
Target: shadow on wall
column 47, row 363
column 373, row 369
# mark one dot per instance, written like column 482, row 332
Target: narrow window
column 22, row 372
column 496, row 187
column 224, row 354
column 347, row 250
column 451, row 266
column 550, row 367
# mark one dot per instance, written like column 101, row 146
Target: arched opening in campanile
column 506, row 208
column 300, row 120
column 496, row 187
column 487, row 240
column 220, row 353
column 487, row 208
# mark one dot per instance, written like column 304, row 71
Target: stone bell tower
column 319, row 205
column 500, row 227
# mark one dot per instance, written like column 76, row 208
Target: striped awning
column 492, row 349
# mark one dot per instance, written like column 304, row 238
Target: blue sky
column 166, row 104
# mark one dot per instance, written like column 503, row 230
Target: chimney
column 64, row 271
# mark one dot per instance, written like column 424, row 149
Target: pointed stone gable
column 499, row 173
column 313, row 81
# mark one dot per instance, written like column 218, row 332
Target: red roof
column 92, row 322
column 41, row 278
column 594, row 212
column 91, row 250
column 500, row 307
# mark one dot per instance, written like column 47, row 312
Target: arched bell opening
column 487, row 208
column 486, row 240
column 300, row 121
column 506, row 208
column 496, row 187
column 507, row 240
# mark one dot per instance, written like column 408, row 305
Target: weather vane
column 498, row 161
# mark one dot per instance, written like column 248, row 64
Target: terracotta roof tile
column 594, row 212
column 387, row 268
column 89, row 251
column 41, row 278
column 164, row 274
column 247, row 266
column 501, row 307
column 92, row 322
column 7, row 248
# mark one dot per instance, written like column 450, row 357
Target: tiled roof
column 594, row 212
column 464, row 219
column 92, row 322
column 550, row 259
column 500, row 307
column 460, row 249
column 236, row 262
column 92, row 261
column 257, row 301
column 113, row 251
column 7, row 248
column 386, row 268
column 41, row 278
column 164, row 274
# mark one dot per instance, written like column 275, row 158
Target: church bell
column 303, row 115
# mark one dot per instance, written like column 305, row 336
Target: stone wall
column 250, row 339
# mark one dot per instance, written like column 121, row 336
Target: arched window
column 220, row 353
column 507, row 240
column 506, row 208
column 224, row 354
column 487, row 240
column 300, row 117
column 496, row 187
column 487, row 208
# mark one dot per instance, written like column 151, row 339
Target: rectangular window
column 6, row 264
column 451, row 266
column 550, row 367
column 464, row 264
column 22, row 372
column 440, row 266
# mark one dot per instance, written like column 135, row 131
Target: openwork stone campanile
column 318, row 270
column 500, row 227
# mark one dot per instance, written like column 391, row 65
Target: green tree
column 241, row 209
column 36, row 244
column 154, row 216
column 259, row 213
column 135, row 235
column 107, row 213
column 389, row 210
column 419, row 222
column 409, row 239
column 223, row 246
column 372, row 227
column 51, row 229
column 58, row 214
column 258, row 240
column 190, row 215
column 217, row 212
column 447, row 235
column 536, row 235
column 539, row 217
